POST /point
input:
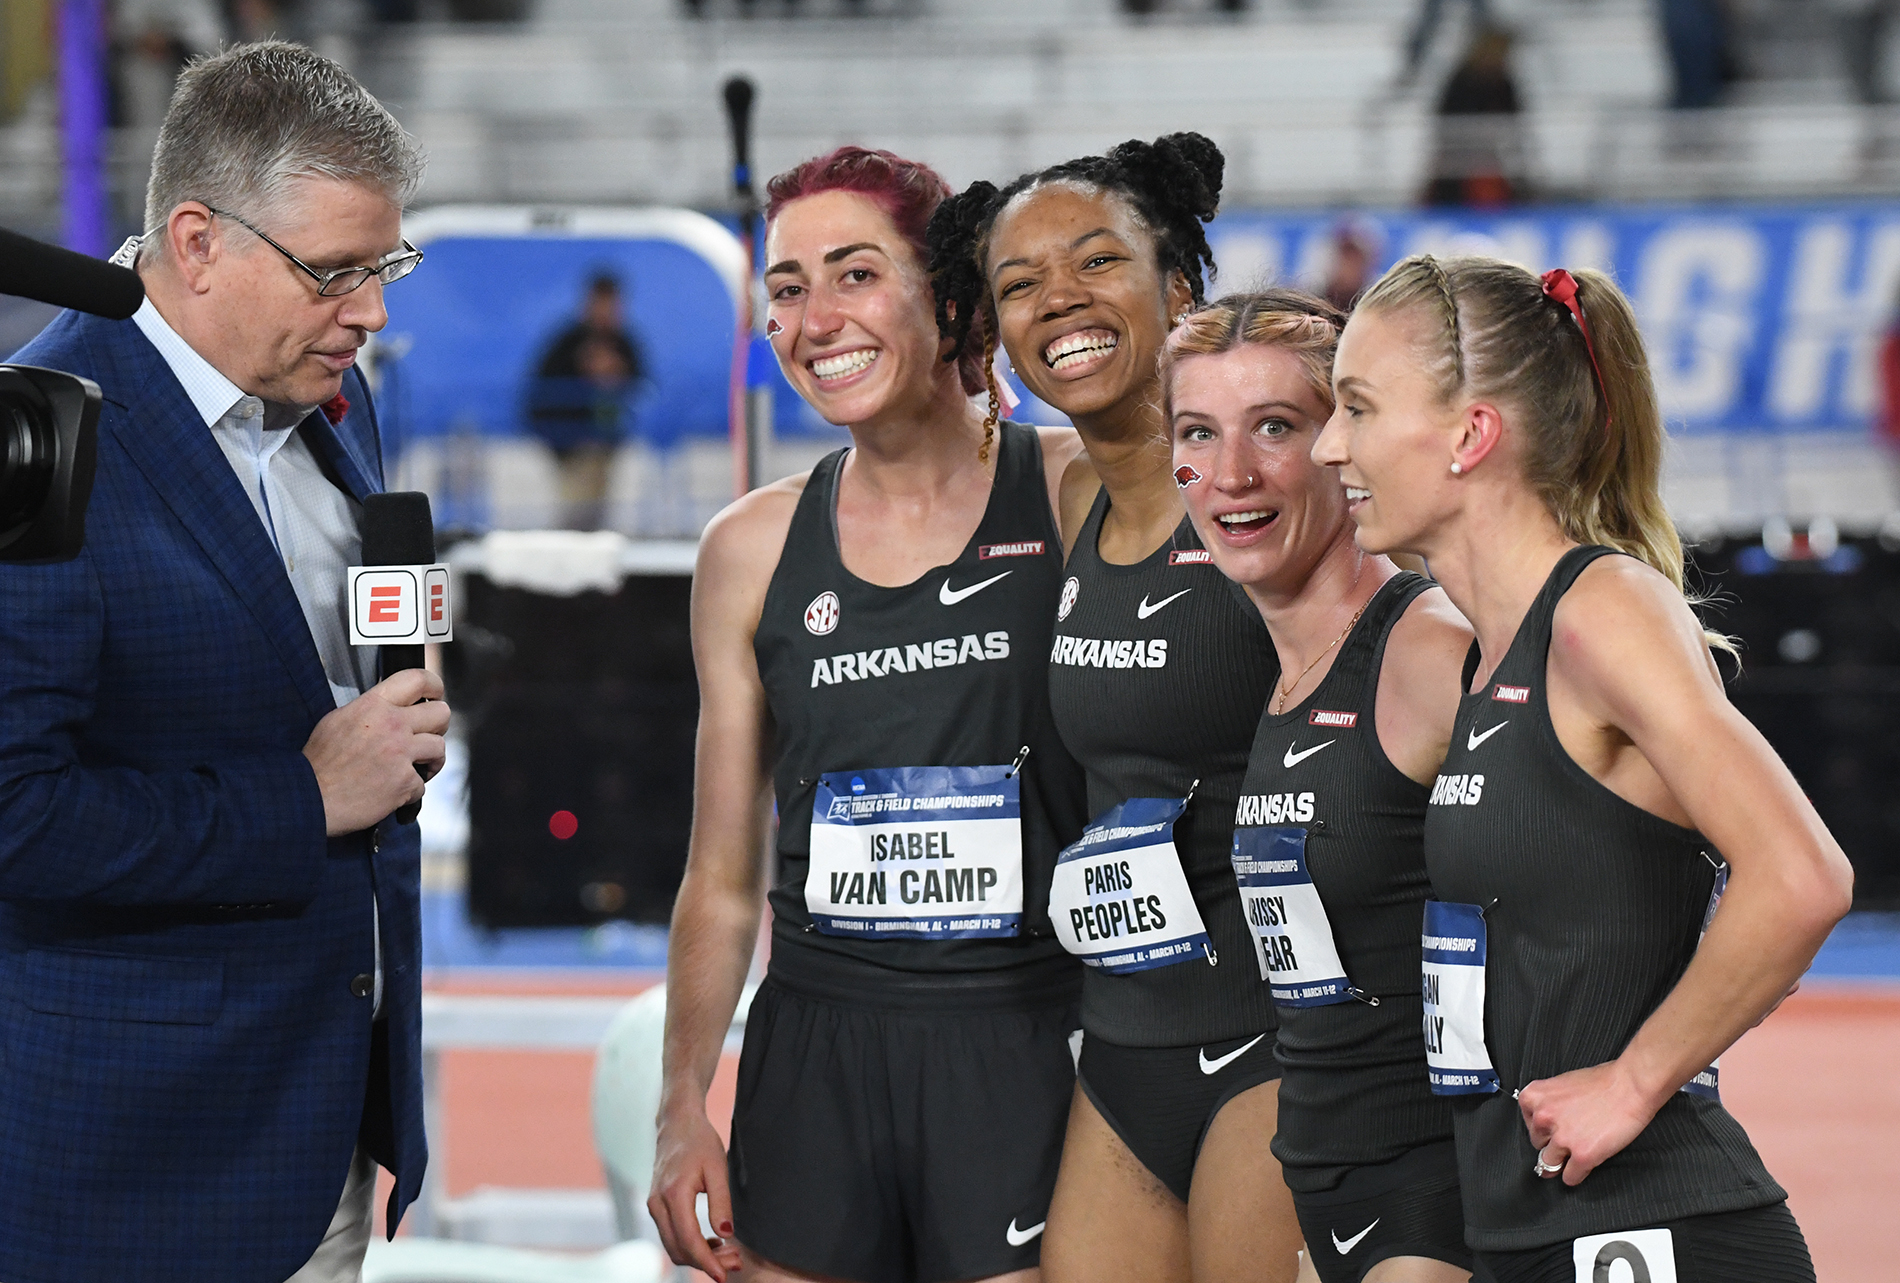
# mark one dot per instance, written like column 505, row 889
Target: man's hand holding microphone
column 373, row 755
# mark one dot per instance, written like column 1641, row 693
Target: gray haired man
column 209, row 932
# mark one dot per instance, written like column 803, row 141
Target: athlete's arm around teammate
column 851, row 321
column 1157, row 676
column 1328, row 837
column 1506, row 429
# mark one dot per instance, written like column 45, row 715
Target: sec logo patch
column 1071, row 589
column 822, row 615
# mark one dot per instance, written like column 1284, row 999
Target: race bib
column 1648, row 1256
column 1120, row 901
column 1292, row 936
column 1708, row 1083
column 917, row 853
column 1453, row 978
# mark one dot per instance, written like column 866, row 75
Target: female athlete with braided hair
column 870, row 640
column 1579, row 982
column 1158, row 674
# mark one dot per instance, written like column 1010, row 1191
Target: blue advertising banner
column 1759, row 318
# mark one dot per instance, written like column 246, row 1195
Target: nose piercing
column 1251, row 480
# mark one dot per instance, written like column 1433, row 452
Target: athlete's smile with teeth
column 843, row 364
column 1248, row 522
column 1079, row 348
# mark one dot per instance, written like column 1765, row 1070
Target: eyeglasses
column 340, row 280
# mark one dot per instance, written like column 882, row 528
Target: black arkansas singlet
column 949, row 670
column 1158, row 676
column 1593, row 908
column 1353, row 1089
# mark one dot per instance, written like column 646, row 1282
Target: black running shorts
column 897, row 1146
column 1162, row 1100
column 1407, row 1207
column 1760, row 1245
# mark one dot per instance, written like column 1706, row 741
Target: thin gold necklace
column 1322, row 655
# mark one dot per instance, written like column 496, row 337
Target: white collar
column 211, row 393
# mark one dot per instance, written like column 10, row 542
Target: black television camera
column 49, row 421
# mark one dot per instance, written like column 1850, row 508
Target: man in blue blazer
column 209, row 934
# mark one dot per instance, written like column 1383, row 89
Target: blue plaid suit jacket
column 184, row 1069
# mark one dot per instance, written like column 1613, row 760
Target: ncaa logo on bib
column 822, row 615
column 1634, row 1256
column 1071, row 589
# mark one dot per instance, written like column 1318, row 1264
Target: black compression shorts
column 1759, row 1245
column 892, row 1146
column 1162, row 1100
column 1407, row 1207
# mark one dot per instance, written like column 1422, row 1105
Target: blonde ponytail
column 1592, row 429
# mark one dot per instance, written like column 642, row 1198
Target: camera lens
column 29, row 457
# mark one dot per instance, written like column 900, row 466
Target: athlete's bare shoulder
column 1060, row 446
column 1623, row 617
column 1419, row 683
column 1079, row 485
column 740, row 549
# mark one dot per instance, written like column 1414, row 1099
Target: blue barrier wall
column 1758, row 318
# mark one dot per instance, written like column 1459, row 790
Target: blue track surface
column 1866, row 946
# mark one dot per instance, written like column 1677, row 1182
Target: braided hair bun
column 1173, row 183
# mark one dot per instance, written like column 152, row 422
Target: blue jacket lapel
column 336, row 449
column 161, row 431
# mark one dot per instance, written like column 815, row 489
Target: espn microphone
column 48, row 274
column 399, row 596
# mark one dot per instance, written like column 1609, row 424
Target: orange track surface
column 1815, row 1086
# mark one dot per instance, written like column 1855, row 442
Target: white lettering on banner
column 1587, row 243
column 1513, row 240
column 1697, row 305
column 1646, row 1256
column 944, row 652
column 1826, row 321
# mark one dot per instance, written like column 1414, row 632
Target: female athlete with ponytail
column 1158, row 673
column 1329, row 836
column 1598, row 792
column 870, row 639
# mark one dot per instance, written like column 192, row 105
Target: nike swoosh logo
column 951, row 596
column 1294, row 759
column 1144, row 610
column 1473, row 739
column 1215, row 1066
column 1018, row 1237
column 1352, row 1242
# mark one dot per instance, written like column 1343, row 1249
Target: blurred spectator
column 1430, row 14
column 1480, row 139
column 1697, row 34
column 1866, row 27
column 1354, row 247
column 26, row 52
column 578, row 402
column 151, row 42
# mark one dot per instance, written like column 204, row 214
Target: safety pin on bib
column 1017, row 765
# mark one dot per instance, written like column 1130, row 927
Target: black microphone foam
column 398, row 530
column 33, row 269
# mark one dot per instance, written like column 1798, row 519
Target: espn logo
column 399, row 605
column 1027, row 548
column 1512, row 694
column 1327, row 717
column 1191, row 557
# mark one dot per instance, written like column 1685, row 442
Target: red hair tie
column 1562, row 286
